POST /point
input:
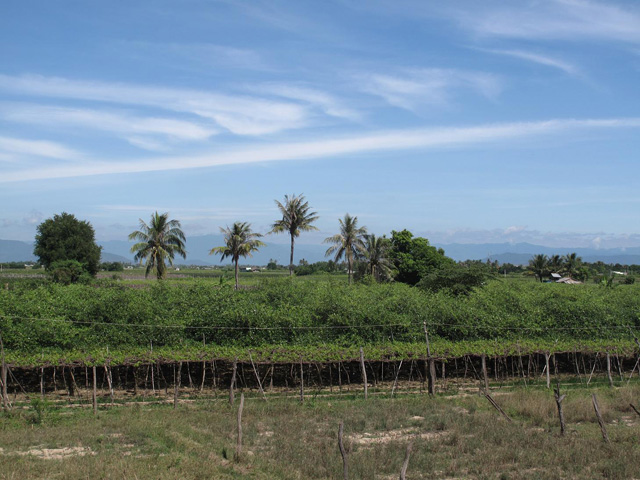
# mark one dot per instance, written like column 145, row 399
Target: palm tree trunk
column 291, row 258
column 349, row 262
column 236, row 274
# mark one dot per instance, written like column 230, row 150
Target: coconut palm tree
column 348, row 243
column 571, row 264
column 296, row 218
column 376, row 250
column 538, row 265
column 555, row 263
column 239, row 241
column 158, row 242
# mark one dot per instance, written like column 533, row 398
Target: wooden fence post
column 484, row 372
column 343, row 452
column 301, row 381
column 176, row 383
column 546, row 366
column 559, row 398
column 405, row 464
column 605, row 437
column 233, row 381
column 609, row 370
column 94, row 396
column 239, row 442
column 431, row 376
column 5, row 396
column 255, row 371
column 364, row 374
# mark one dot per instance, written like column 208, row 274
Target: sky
column 462, row 121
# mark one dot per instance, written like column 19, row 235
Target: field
column 454, row 435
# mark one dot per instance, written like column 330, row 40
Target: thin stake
column 559, row 398
column 233, row 381
column 343, row 452
column 496, row 406
column 301, row 381
column 546, row 366
column 239, row 443
column 483, row 358
column 605, row 437
column 255, row 371
column 609, row 370
column 5, row 397
column 432, row 365
column 364, row 374
column 395, row 381
column 176, row 383
column 405, row 465
column 95, row 393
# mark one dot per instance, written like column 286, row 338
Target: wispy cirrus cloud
column 328, row 103
column 538, row 58
column 411, row 88
column 241, row 115
column 14, row 148
column 424, row 139
column 141, row 131
column 550, row 20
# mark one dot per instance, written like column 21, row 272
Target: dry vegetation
column 454, row 437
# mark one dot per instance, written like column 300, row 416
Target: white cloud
column 539, row 59
column 425, row 139
column 552, row 20
column 411, row 88
column 316, row 98
column 241, row 115
column 514, row 229
column 122, row 123
column 36, row 148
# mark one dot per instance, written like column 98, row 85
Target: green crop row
column 285, row 315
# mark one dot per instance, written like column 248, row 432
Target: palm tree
column 571, row 263
column 555, row 263
column 157, row 242
column 376, row 250
column 539, row 265
column 348, row 243
column 239, row 241
column 296, row 218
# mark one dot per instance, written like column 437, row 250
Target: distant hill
column 198, row 248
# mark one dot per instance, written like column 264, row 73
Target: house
column 555, row 277
column 568, row 281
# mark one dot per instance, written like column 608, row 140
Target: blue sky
column 462, row 121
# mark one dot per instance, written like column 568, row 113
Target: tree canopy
column 64, row 238
column 158, row 242
column 414, row 258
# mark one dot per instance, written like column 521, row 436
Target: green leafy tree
column 296, row 217
column 572, row 263
column 158, row 242
column 539, row 266
column 414, row 258
column 455, row 279
column 555, row 263
column 349, row 243
column 376, row 254
column 239, row 241
column 64, row 237
column 67, row 272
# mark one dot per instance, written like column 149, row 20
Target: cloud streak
column 411, row 88
column 539, row 59
column 240, row 115
column 552, row 20
column 121, row 123
column 18, row 147
column 423, row 139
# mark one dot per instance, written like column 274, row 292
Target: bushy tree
column 455, row 279
column 539, row 266
column 414, row 258
column 65, row 238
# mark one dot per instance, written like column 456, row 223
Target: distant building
column 568, row 281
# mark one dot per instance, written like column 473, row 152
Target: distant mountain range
column 198, row 252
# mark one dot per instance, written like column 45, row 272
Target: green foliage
column 455, row 279
column 414, row 258
column 284, row 319
column 64, row 237
column 112, row 266
column 158, row 242
column 67, row 272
